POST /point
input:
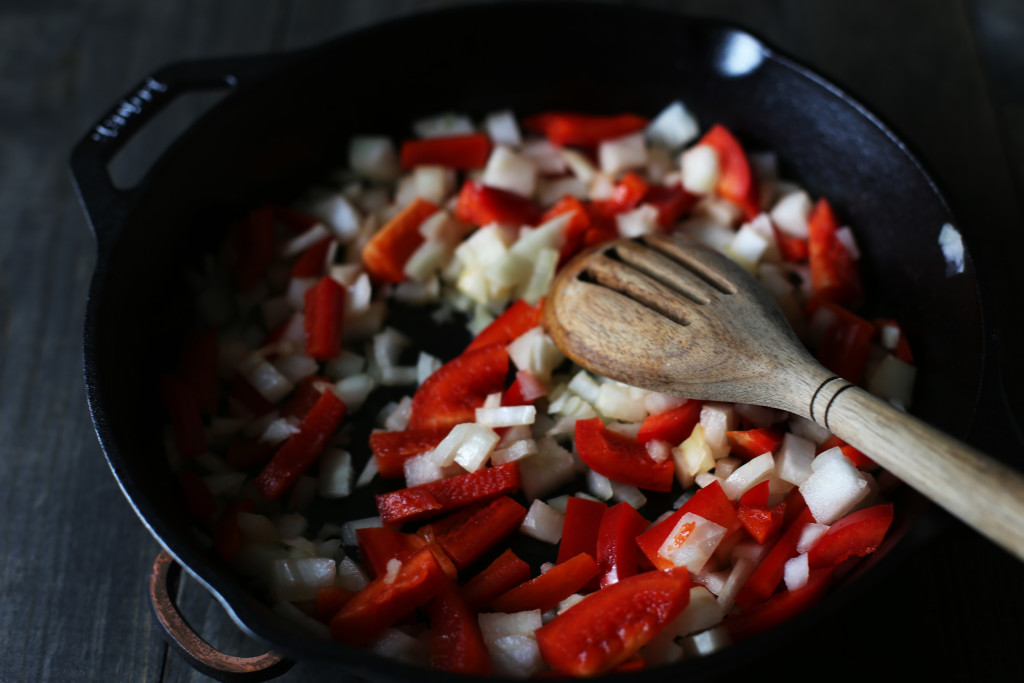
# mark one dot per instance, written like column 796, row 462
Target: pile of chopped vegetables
column 671, row 527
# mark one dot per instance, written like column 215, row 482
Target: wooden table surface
column 74, row 560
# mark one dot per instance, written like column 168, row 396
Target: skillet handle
column 107, row 205
column 196, row 651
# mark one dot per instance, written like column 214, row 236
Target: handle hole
column 128, row 166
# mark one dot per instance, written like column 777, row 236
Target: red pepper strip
column 517, row 319
column 379, row 545
column 765, row 579
column 247, row 398
column 581, row 527
column 577, row 227
column 296, row 222
column 858, row 533
column 325, row 315
column 447, row 495
column 616, row 543
column 302, row 449
column 902, row 350
column 389, row 598
column 385, row 255
column 307, row 393
column 183, row 415
column 583, row 130
column 227, row 536
column 846, row 344
column 312, row 261
column 454, row 391
column 456, row 642
column 461, row 152
column 506, row 572
column 252, row 245
column 710, row 502
column 793, row 249
column 673, row 426
column 795, row 506
column 550, row 588
column 620, row 457
column 329, row 601
column 200, row 501
column 834, row 272
column 609, row 626
column 244, row 453
column 671, row 201
column 856, row 457
column 482, row 205
column 756, row 496
column 762, row 522
column 392, row 449
column 468, row 534
column 524, row 390
column 750, row 443
column 628, row 193
column 198, row 368
column 780, row 608
column 737, row 182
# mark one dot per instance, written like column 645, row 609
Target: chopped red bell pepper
column 671, row 201
column 855, row 456
column 581, row 527
column 447, row 495
column 454, row 391
column 710, row 502
column 456, row 642
column 325, row 317
column 301, row 449
column 227, row 536
column 379, row 545
column 462, row 152
column 304, row 397
column 616, row 543
column 628, row 192
column 858, row 533
column 620, row 457
column 756, row 496
column 673, row 426
column 737, row 182
column 481, row 205
column 765, row 579
column 183, row 416
column 388, row 598
column 251, row 241
column 846, row 344
column 609, row 626
column 468, row 534
column 834, row 272
column 197, row 368
column 312, row 261
column 329, row 601
column 583, row 130
column 517, row 319
column 506, row 572
column 385, row 255
column 577, row 227
column 902, row 350
column 200, row 500
column 779, row 608
column 793, row 249
column 763, row 523
column 392, row 449
column 524, row 390
column 750, row 443
column 550, row 588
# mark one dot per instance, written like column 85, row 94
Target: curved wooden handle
column 979, row 490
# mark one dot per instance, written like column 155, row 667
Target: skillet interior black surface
column 270, row 139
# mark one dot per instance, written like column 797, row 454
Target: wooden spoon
column 670, row 315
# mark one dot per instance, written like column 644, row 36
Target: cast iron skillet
column 286, row 122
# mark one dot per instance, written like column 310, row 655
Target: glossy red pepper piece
column 763, row 523
column 506, row 572
column 448, row 495
column 324, row 318
column 392, row 449
column 583, row 130
column 307, row 392
column 251, row 242
column 469, row 534
column 379, row 545
column 737, row 182
column 673, row 426
column 577, row 227
column 766, row 578
column 312, row 261
column 834, row 272
column 198, row 368
column 183, row 414
column 846, row 344
column 620, row 457
column 608, row 627
column 329, row 601
column 779, row 608
column 550, row 588
column 616, row 543
column 387, row 252
column 514, row 321
column 793, row 249
column 388, row 598
column 855, row 456
column 456, row 642
column 628, row 192
column 454, row 391
column 756, row 496
column 902, row 350
column 671, row 201
column 581, row 527
column 750, row 443
column 709, row 502
column 857, row 534
column 482, row 205
column 524, row 390
column 461, row 152
column 298, row 453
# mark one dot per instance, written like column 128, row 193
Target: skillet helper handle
column 976, row 488
column 106, row 204
column 197, row 652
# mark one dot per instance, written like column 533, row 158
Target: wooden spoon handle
column 979, row 490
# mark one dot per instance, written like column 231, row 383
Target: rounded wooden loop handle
column 197, row 652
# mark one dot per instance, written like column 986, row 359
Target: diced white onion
column 543, row 522
column 622, row 154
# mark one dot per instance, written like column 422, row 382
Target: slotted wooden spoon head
column 668, row 314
